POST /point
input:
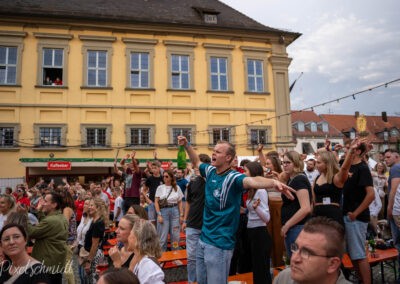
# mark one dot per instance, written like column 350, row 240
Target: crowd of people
column 328, row 201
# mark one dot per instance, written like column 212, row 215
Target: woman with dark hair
column 19, row 267
column 294, row 213
column 68, row 210
column 145, row 244
column 94, row 238
column 121, row 256
column 138, row 210
column 260, row 241
column 170, row 213
column 118, row 275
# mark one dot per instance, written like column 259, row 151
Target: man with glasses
column 223, row 193
column 316, row 254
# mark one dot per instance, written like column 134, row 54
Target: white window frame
column 63, row 135
column 85, row 127
column 15, row 138
column 221, row 129
column 52, row 41
column 256, row 54
column 150, row 128
column 184, row 130
column 7, row 66
column 255, row 76
column 180, row 48
column 14, row 39
column 96, row 44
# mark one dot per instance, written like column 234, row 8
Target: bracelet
column 184, row 221
column 159, row 213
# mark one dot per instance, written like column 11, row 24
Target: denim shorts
column 356, row 233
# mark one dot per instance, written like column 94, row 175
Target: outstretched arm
column 261, row 182
column 194, row 158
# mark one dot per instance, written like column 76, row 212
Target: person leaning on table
column 316, row 254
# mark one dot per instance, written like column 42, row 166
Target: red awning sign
column 165, row 165
column 58, row 166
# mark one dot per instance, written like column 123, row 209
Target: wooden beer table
column 379, row 257
column 244, row 277
column 169, row 256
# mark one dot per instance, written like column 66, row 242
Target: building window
column 352, row 134
column 96, row 137
column 258, row 136
column 313, row 127
column 97, row 68
column 300, row 126
column 220, row 134
column 187, row 132
column 180, row 71
column 52, row 66
column 307, row 148
column 7, row 136
column 8, row 65
column 11, row 46
column 53, row 52
column 255, row 76
column 394, row 133
column 180, row 56
column 140, row 136
column 218, row 73
column 325, row 127
column 140, row 70
column 50, row 136
column 210, row 18
column 97, row 63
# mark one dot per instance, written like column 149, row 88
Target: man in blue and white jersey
column 223, row 191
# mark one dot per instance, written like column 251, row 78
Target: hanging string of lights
column 23, row 144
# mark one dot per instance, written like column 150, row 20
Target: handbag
column 164, row 202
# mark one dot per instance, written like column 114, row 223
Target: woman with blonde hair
column 169, row 211
column 144, row 242
column 294, row 213
column 7, row 205
column 327, row 187
column 120, row 254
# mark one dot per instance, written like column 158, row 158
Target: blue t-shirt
column 223, row 194
column 394, row 173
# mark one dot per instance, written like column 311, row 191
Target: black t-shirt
column 96, row 230
column 195, row 196
column 37, row 273
column 152, row 183
column 290, row 207
column 354, row 190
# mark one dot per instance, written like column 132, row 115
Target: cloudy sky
column 346, row 46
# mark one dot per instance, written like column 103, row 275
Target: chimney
column 356, row 114
column 384, row 116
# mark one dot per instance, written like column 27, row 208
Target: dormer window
column 313, row 127
column 300, row 126
column 325, row 127
column 352, row 134
column 210, row 18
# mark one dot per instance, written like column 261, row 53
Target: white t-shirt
column 148, row 272
column 376, row 205
column 173, row 198
column 118, row 204
column 82, row 229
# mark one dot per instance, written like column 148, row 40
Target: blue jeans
column 212, row 264
column 169, row 225
column 396, row 239
column 291, row 237
column 151, row 212
column 192, row 239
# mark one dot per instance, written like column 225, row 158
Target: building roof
column 171, row 12
column 310, row 116
column 374, row 128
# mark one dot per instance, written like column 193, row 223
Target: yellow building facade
column 135, row 86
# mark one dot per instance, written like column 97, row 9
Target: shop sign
column 58, row 166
